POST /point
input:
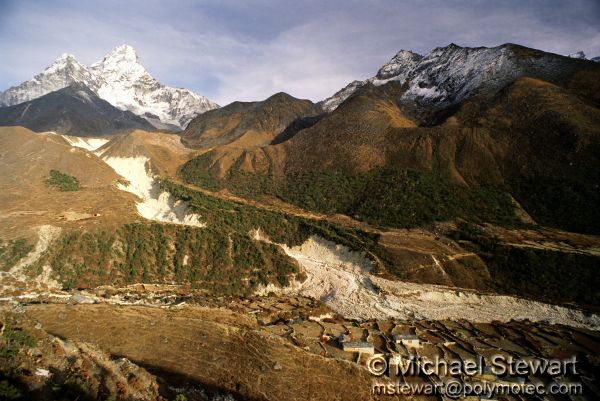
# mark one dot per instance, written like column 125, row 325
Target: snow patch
column 579, row 55
column 42, row 372
column 84, row 96
column 91, row 144
column 155, row 204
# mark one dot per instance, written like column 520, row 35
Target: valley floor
column 282, row 341
column 256, row 347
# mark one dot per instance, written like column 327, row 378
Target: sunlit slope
column 27, row 201
column 368, row 160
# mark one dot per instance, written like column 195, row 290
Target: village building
column 362, row 347
column 408, row 340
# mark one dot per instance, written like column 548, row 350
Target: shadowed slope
column 74, row 110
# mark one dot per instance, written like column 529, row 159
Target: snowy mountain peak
column 403, row 60
column 331, row 103
column 64, row 58
column 120, row 79
column 451, row 46
column 61, row 73
column 122, row 64
column 119, row 55
column 448, row 75
column 398, row 68
column 129, row 86
column 406, row 54
column 65, row 61
column 125, row 51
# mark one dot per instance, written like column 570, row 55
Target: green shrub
column 63, row 182
column 385, row 196
column 9, row 392
column 14, row 339
column 545, row 274
column 221, row 258
column 13, row 251
column 567, row 203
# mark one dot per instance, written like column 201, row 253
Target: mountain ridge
column 73, row 110
column 448, row 75
column 263, row 119
column 452, row 133
column 120, row 79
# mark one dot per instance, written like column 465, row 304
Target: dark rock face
column 74, row 110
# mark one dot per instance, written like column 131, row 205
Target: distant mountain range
column 448, row 75
column 73, row 110
column 120, row 79
column 475, row 151
column 459, row 132
column 581, row 55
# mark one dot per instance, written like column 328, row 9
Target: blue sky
column 248, row 50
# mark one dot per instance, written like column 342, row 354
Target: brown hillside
column 257, row 122
column 165, row 151
column 26, row 201
column 532, row 127
column 534, row 140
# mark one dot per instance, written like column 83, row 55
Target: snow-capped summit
column 121, row 63
column 122, row 53
column 397, row 68
column 120, row 79
column 447, row 75
column 61, row 73
column 399, row 65
column 450, row 73
column 128, row 86
column 332, row 102
column 64, row 58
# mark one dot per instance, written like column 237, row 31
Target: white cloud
column 232, row 50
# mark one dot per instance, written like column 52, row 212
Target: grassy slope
column 223, row 259
column 536, row 141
